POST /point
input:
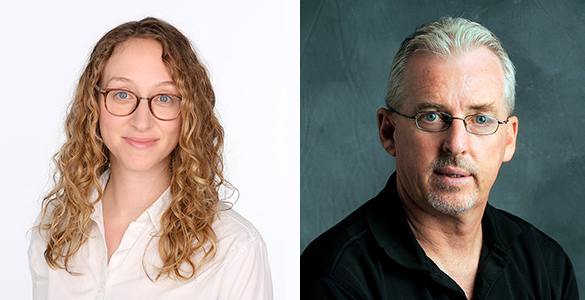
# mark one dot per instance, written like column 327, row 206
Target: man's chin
column 451, row 204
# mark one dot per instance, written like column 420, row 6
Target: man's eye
column 480, row 119
column 431, row 117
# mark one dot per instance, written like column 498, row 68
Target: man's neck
column 452, row 242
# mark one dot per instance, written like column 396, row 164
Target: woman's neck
column 128, row 194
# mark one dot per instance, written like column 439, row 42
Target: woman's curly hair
column 196, row 162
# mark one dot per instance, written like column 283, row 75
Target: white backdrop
column 252, row 51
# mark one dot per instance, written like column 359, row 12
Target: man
column 430, row 234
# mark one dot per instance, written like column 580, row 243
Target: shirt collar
column 97, row 214
column 387, row 220
column 156, row 210
column 498, row 230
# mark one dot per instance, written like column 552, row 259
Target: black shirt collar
column 387, row 220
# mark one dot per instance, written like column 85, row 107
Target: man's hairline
column 453, row 54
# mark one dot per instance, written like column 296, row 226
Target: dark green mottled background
column 346, row 51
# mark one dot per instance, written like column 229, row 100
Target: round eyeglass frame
column 415, row 118
column 105, row 92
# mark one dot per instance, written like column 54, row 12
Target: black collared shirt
column 373, row 254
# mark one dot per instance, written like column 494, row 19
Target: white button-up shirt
column 239, row 269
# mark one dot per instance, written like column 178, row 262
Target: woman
column 135, row 211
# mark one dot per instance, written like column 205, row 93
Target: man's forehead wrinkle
column 468, row 92
column 426, row 92
column 425, row 88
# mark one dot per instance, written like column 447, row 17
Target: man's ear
column 386, row 130
column 511, row 134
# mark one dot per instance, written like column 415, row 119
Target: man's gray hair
column 447, row 37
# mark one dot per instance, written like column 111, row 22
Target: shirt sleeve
column 570, row 290
column 247, row 276
column 37, row 265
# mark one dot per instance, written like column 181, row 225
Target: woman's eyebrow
column 167, row 82
column 120, row 78
column 128, row 80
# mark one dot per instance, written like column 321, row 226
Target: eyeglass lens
column 433, row 121
column 162, row 106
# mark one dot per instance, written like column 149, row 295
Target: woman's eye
column 122, row 95
column 164, row 98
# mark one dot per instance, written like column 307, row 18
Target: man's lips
column 453, row 172
column 140, row 143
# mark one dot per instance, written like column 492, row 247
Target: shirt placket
column 122, row 254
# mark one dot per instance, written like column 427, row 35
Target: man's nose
column 456, row 138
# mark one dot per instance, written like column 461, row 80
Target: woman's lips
column 140, row 143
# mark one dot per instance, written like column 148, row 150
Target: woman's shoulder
column 241, row 252
column 230, row 226
column 236, row 237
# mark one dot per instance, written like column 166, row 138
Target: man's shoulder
column 534, row 256
column 526, row 242
column 343, row 262
column 325, row 252
column 515, row 229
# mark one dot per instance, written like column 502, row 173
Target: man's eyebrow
column 487, row 107
column 430, row 105
column 483, row 107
